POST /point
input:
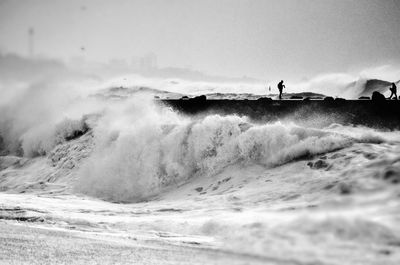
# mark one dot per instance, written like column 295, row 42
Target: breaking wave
column 142, row 148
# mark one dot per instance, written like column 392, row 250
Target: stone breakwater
column 378, row 114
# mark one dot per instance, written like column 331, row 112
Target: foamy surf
column 133, row 170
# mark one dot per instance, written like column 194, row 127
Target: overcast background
column 266, row 39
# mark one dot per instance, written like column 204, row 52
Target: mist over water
column 28, row 112
column 141, row 148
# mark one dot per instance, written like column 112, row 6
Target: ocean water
column 111, row 163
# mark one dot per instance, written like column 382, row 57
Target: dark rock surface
column 319, row 164
column 373, row 113
column 376, row 96
column 264, row 99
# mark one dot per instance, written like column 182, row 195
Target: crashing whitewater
column 278, row 191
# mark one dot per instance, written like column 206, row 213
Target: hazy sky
column 269, row 39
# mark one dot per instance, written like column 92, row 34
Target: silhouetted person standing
column 393, row 89
column 280, row 87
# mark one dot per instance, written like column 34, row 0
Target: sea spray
column 30, row 120
column 141, row 148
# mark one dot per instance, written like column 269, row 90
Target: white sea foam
column 142, row 148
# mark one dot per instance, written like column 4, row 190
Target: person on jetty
column 393, row 89
column 280, row 87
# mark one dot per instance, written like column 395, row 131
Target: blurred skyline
column 288, row 39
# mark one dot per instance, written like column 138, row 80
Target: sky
column 267, row 39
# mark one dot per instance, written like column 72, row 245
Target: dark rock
column 319, row 164
column 307, row 99
column 345, row 188
column 392, row 175
column 184, row 98
column 340, row 100
column 328, row 99
column 199, row 189
column 376, row 96
column 201, row 99
column 364, row 98
column 296, row 97
column 264, row 99
column 355, row 112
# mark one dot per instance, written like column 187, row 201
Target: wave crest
column 155, row 148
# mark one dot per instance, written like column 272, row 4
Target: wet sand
column 22, row 244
